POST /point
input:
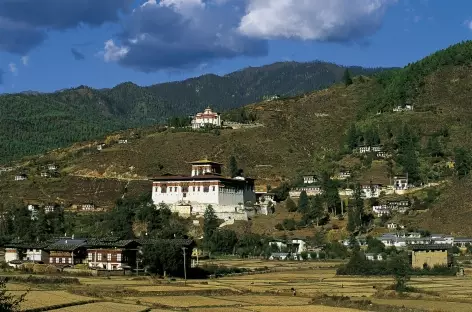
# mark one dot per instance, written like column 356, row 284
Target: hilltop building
column 208, row 117
column 231, row 198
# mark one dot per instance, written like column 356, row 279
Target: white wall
column 36, row 255
column 11, row 254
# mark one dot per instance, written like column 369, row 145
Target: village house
column 266, row 202
column 208, row 117
column 52, row 167
column 392, row 226
column 122, row 141
column 374, row 257
column 400, row 182
column 231, row 198
column 112, row 253
column 88, row 207
column 100, row 146
column 33, row 209
column 364, row 149
column 382, row 154
column 371, row 190
column 19, row 251
column 376, row 148
column 309, row 179
column 405, row 108
column 50, row 208
column 279, row 256
column 429, row 256
column 67, row 251
column 21, row 177
column 310, row 191
column 381, row 210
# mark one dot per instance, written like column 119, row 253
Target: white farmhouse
column 191, row 195
column 208, row 117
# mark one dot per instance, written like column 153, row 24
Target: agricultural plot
column 42, row 298
column 103, row 307
column 184, row 301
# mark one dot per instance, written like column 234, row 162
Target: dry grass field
column 256, row 292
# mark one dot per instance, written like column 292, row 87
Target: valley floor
column 254, row 292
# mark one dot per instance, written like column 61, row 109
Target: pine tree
column 290, row 205
column 303, row 203
column 233, row 167
column 347, row 78
column 352, row 137
column 210, row 224
column 316, row 209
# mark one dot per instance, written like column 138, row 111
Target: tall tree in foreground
column 347, row 78
column 210, row 224
column 290, row 205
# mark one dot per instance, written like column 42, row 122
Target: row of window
column 185, row 189
column 101, row 257
column 60, row 260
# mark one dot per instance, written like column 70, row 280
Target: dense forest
column 32, row 123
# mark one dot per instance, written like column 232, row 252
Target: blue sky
column 47, row 45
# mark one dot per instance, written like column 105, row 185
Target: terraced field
column 256, row 292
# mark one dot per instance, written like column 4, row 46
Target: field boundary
column 64, row 305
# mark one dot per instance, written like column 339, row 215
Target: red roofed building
column 208, row 117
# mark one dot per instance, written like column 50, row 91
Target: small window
column 184, row 189
column 184, row 195
column 99, row 256
column 198, row 189
column 213, row 188
column 170, row 189
column 51, row 260
column 63, row 260
column 89, row 256
column 206, row 189
column 118, row 258
column 163, row 189
column 109, row 257
column 70, row 260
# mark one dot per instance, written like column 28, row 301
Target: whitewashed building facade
column 191, row 195
column 208, row 117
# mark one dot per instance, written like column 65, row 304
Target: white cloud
column 468, row 24
column 113, row 53
column 13, row 69
column 25, row 60
column 321, row 20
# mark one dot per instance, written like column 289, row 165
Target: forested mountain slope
column 32, row 123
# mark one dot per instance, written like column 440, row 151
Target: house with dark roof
column 112, row 253
column 67, row 251
column 21, row 251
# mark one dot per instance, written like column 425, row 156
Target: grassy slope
column 291, row 134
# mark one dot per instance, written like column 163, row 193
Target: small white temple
column 208, row 117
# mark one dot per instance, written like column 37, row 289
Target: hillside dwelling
column 208, row 117
column 88, row 207
column 406, row 108
column 269, row 98
column 122, row 141
column 364, row 149
column 100, row 146
column 400, row 182
column 400, row 206
column 374, row 257
column 231, row 198
column 45, row 174
column 265, row 201
column 429, row 256
column 382, row 155
column 112, row 253
column 343, row 175
column 52, row 167
column 6, row 169
column 309, row 179
column 50, row 208
column 21, row 177
column 310, row 191
column 371, row 190
column 376, row 148
column 393, row 226
column 67, row 251
column 381, row 210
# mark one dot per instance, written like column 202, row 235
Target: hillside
column 32, row 123
column 306, row 133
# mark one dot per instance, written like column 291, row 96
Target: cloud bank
column 179, row 34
